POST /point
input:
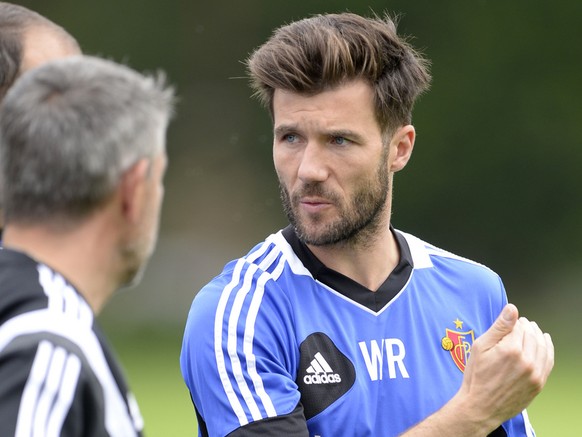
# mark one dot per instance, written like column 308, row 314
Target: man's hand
column 508, row 367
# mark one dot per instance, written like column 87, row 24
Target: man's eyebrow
column 349, row 134
column 285, row 128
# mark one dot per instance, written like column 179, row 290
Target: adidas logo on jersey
column 324, row 373
column 320, row 372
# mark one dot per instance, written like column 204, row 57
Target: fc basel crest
column 459, row 344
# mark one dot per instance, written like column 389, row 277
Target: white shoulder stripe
column 420, row 256
column 295, row 264
column 49, row 389
column 433, row 250
column 422, row 252
column 249, row 332
column 232, row 342
column 32, row 388
column 117, row 420
column 246, row 286
column 62, row 298
column 63, row 403
column 253, row 256
column 54, row 374
column 269, row 259
column 248, row 339
column 218, row 351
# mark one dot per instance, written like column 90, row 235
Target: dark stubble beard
column 135, row 270
column 136, row 255
column 358, row 221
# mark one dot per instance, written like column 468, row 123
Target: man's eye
column 290, row 138
column 340, row 141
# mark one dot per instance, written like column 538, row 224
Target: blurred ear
column 401, row 146
column 133, row 190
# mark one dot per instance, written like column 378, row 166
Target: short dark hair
column 322, row 52
column 14, row 21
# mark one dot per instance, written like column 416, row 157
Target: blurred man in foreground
column 28, row 40
column 82, row 157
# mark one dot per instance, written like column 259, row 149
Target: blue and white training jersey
column 278, row 344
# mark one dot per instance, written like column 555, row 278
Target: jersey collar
column 374, row 301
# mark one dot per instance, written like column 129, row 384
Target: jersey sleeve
column 239, row 355
column 46, row 390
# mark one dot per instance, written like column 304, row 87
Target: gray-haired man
column 82, row 157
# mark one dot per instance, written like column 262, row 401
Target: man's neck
column 368, row 264
column 73, row 254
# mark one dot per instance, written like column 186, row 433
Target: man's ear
column 401, row 146
column 133, row 190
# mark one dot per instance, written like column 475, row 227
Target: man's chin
column 133, row 278
column 313, row 237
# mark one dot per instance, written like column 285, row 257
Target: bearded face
column 357, row 217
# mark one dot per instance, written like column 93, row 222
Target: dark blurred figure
column 82, row 157
column 27, row 40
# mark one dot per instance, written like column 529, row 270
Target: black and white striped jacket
column 58, row 376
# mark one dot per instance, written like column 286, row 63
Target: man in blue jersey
column 82, row 146
column 341, row 325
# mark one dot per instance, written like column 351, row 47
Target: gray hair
column 68, row 132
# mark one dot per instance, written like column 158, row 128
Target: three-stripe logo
column 320, row 372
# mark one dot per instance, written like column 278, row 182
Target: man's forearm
column 455, row 418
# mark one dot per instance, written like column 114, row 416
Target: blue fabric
column 241, row 351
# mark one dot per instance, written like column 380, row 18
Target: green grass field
column 554, row 413
column 151, row 361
